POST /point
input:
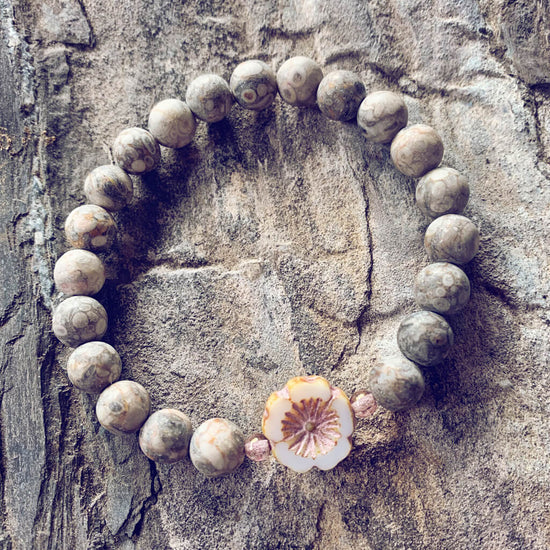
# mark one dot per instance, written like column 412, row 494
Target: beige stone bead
column 209, row 97
column 298, row 79
column 339, row 95
column 442, row 191
column 109, row 186
column 172, row 123
column 253, row 84
column 91, row 227
column 79, row 272
column 136, row 151
column 382, row 114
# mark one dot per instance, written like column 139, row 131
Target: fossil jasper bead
column 79, row 272
column 298, row 79
column 382, row 114
column 109, row 186
column 253, row 84
column 90, row 226
column 217, row 447
column 79, row 319
column 452, row 238
column 94, row 366
column 136, row 151
column 172, row 123
column 209, row 97
column 123, row 407
column 416, row 150
column 442, row 287
column 425, row 338
column 339, row 95
column 165, row 436
column 442, row 191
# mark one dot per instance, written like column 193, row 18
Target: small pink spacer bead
column 257, row 447
column 363, row 404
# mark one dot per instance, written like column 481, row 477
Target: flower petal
column 332, row 458
column 341, row 405
column 308, row 387
column 274, row 413
column 291, row 460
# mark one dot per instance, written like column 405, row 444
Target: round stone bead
column 442, row 287
column 136, row 151
column 123, row 407
column 209, row 97
column 90, row 226
column 217, row 447
column 79, row 319
column 442, row 191
column 172, row 123
column 452, row 238
column 298, row 79
column 425, row 338
column 253, row 84
column 416, row 150
column 94, row 366
column 257, row 447
column 165, row 436
column 382, row 114
column 396, row 383
column 79, row 272
column 109, row 186
column 339, row 95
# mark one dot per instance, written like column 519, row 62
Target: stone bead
column 396, row 383
column 172, row 123
column 165, row 436
column 442, row 287
column 339, row 95
column 209, row 97
column 79, row 272
column 254, row 84
column 109, row 186
column 425, row 338
column 452, row 238
column 136, row 151
column 363, row 404
column 90, row 226
column 442, row 191
column 123, row 407
column 217, row 447
column 79, row 319
column 416, row 150
column 382, row 114
column 257, row 447
column 298, row 79
column 93, row 366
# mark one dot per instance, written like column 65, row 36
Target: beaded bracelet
column 308, row 422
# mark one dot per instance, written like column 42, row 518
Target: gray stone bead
column 123, row 407
column 109, row 186
column 442, row 287
column 79, row 319
column 79, row 272
column 396, row 383
column 451, row 238
column 165, row 436
column 416, row 150
column 209, row 97
column 382, row 114
column 339, row 95
column 93, row 366
column 91, row 227
column 217, row 447
column 254, row 84
column 442, row 191
column 136, row 151
column 298, row 79
column 172, row 123
column 425, row 338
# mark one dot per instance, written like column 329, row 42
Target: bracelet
column 308, row 423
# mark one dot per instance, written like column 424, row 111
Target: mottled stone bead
column 339, row 95
column 217, row 447
column 123, row 407
column 396, row 383
column 172, row 123
column 442, row 191
column 363, row 404
column 165, row 436
column 298, row 79
column 79, row 319
column 382, row 114
column 442, row 287
column 416, row 150
column 90, row 226
column 253, row 84
column 93, row 366
column 452, row 238
column 79, row 272
column 209, row 97
column 136, row 151
column 109, row 186
column 425, row 338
